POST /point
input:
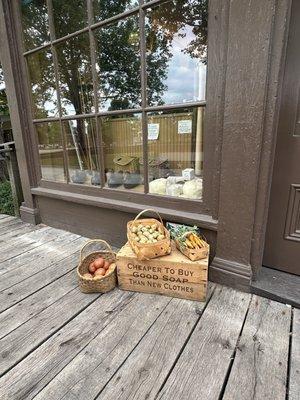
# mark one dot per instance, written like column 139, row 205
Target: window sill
column 188, row 217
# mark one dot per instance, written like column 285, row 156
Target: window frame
column 208, row 204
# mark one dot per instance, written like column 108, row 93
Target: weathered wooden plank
column 25, row 242
column 294, row 379
column 147, row 367
column 6, row 218
column 34, row 304
column 10, row 225
column 17, row 224
column 260, row 367
column 47, row 254
column 25, row 228
column 20, row 342
column 108, row 350
column 21, row 290
column 45, row 237
column 21, row 236
column 32, row 374
column 202, row 367
column 28, row 238
column 3, row 216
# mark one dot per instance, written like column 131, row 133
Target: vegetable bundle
column 189, row 241
column 192, row 241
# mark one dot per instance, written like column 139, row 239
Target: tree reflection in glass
column 176, row 36
column 69, row 16
column 42, row 82
column 35, row 23
column 118, row 64
column 75, row 75
column 104, row 9
column 176, row 57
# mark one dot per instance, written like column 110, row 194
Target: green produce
column 186, row 236
column 147, row 234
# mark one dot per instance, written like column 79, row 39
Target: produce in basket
column 147, row 233
column 177, row 230
column 189, row 241
column 96, row 271
column 99, row 268
column 148, row 237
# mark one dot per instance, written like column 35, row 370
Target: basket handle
column 95, row 241
column 149, row 209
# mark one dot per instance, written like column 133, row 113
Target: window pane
column 118, row 65
column 123, row 149
column 175, row 149
column 35, row 23
column 104, row 9
column 42, row 82
column 81, row 143
column 176, row 46
column 75, row 75
column 69, row 16
column 51, row 151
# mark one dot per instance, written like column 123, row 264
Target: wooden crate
column 172, row 275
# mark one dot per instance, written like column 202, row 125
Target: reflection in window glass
column 81, row 143
column 176, row 46
column 175, row 153
column 123, row 149
column 118, row 65
column 51, row 151
column 104, row 9
column 75, row 75
column 35, row 24
column 69, row 16
column 42, row 82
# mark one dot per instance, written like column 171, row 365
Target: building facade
column 187, row 107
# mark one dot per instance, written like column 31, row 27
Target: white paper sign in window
column 184, row 126
column 153, row 131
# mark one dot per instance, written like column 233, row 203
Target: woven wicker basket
column 100, row 284
column 148, row 251
column 192, row 254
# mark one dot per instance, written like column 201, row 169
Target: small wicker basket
column 147, row 251
column 100, row 284
column 192, row 254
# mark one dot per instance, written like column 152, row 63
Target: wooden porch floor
column 57, row 343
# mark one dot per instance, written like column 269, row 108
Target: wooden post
column 14, row 177
column 18, row 97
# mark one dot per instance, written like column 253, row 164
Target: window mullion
column 55, row 64
column 144, row 95
column 99, row 149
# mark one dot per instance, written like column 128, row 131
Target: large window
column 118, row 92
